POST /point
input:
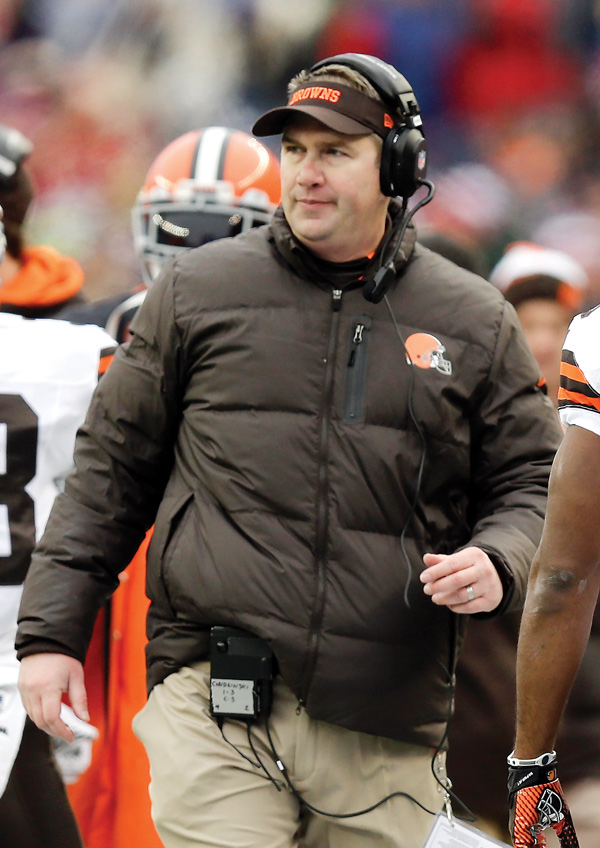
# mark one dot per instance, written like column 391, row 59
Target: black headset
column 404, row 154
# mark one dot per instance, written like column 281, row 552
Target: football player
column 35, row 281
column 48, row 371
column 562, row 596
column 208, row 184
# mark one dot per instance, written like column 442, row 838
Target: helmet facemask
column 183, row 205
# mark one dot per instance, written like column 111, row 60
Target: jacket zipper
column 356, row 369
column 321, row 504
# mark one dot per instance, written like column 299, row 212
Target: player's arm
column 556, row 624
column 562, row 594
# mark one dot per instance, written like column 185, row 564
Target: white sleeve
column 579, row 393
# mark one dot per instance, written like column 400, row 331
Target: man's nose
column 310, row 172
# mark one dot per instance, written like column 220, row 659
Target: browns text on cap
column 339, row 107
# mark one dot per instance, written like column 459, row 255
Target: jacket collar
column 306, row 265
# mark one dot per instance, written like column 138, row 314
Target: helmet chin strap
column 375, row 288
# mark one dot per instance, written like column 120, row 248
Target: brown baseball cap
column 339, row 107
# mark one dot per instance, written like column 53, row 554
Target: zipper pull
column 356, row 341
column 300, row 706
column 336, row 303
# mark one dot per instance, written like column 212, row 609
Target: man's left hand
column 466, row 581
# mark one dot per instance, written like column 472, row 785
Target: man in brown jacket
column 310, row 412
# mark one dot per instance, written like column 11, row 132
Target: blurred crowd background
column 509, row 91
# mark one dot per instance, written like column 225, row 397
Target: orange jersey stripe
column 104, row 362
column 579, row 399
column 572, row 372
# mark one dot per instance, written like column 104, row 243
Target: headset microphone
column 374, row 289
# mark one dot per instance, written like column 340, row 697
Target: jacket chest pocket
column 356, row 368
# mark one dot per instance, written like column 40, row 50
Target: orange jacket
column 110, row 799
column 46, row 281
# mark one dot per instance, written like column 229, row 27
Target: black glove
column 536, row 801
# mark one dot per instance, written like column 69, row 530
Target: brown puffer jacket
column 278, row 428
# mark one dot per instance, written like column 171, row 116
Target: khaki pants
column 204, row 793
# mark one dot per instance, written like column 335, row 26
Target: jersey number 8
column 18, row 449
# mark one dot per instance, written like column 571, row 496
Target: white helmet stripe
column 209, row 155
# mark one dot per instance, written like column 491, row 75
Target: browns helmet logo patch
column 425, row 351
column 550, row 807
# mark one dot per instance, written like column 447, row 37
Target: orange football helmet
column 425, row 351
column 207, row 184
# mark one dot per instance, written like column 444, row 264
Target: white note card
column 455, row 834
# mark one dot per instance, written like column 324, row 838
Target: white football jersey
column 48, row 372
column 579, row 393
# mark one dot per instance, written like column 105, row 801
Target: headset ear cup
column 403, row 162
column 386, row 177
column 404, row 153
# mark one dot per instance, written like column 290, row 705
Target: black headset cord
column 374, row 290
column 309, row 806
